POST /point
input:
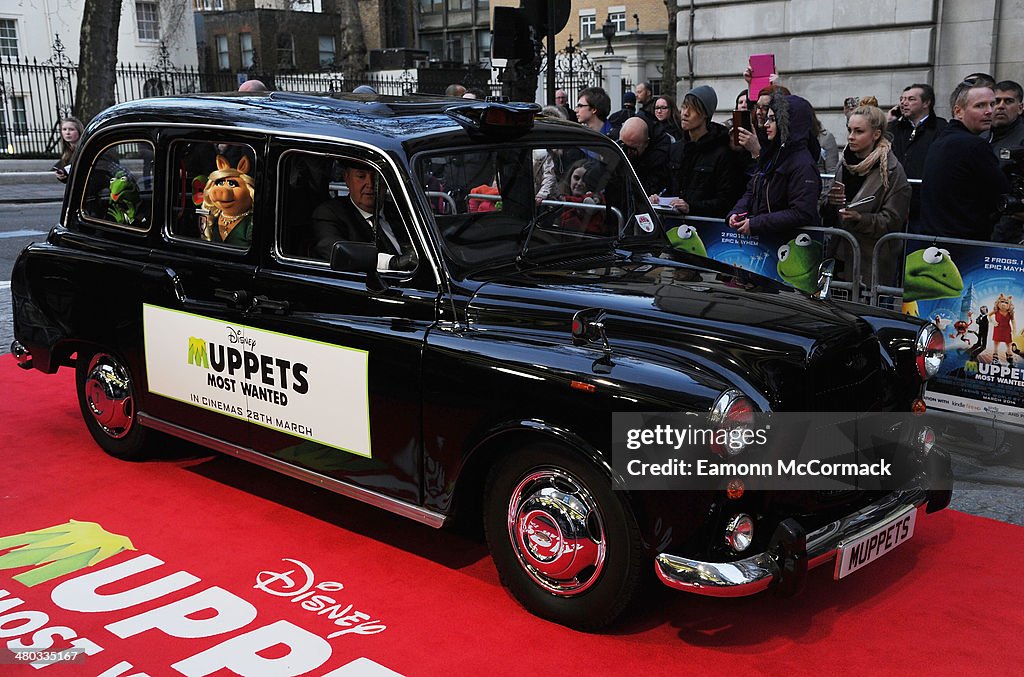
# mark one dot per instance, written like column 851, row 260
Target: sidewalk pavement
column 25, row 181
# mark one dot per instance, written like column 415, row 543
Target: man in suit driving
column 354, row 218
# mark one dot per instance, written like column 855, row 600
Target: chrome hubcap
column 108, row 394
column 556, row 531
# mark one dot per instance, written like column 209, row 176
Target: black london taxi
column 436, row 306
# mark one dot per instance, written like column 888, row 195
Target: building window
column 8, row 37
column 147, row 18
column 483, row 46
column 315, row 6
column 19, row 116
column 618, row 20
column 285, row 50
column 245, row 44
column 207, row 5
column 588, row 24
column 460, row 4
column 431, row 5
column 223, row 63
column 326, row 48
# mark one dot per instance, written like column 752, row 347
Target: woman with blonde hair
column 871, row 180
column 71, row 130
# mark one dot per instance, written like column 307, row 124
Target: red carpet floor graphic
column 208, row 531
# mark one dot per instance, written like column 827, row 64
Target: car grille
column 847, row 378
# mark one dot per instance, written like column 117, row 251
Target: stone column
column 611, row 76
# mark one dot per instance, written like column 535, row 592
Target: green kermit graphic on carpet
column 686, row 239
column 799, row 260
column 124, row 198
column 929, row 274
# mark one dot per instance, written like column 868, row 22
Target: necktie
column 389, row 236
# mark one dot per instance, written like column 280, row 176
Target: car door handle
column 235, row 297
column 263, row 304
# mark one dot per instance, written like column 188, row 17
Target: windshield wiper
column 528, row 229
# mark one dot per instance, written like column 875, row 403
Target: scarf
column 879, row 156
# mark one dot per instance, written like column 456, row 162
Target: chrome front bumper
column 791, row 553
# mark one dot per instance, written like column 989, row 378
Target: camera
column 1013, row 202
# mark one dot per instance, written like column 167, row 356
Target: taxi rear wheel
column 107, row 397
column 565, row 545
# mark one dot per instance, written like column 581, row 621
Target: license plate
column 864, row 549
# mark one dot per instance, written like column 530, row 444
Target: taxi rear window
column 119, row 189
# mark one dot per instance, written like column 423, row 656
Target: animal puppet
column 929, row 274
column 799, row 260
column 229, row 195
column 1004, row 328
column 124, row 198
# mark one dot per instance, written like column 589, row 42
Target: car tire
column 565, row 545
column 107, row 398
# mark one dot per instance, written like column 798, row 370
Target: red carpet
column 948, row 602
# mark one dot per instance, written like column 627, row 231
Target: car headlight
column 930, row 349
column 732, row 412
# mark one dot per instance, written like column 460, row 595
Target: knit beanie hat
column 707, row 97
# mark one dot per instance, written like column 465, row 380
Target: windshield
column 518, row 204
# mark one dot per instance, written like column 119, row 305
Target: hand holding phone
column 762, row 67
column 740, row 120
column 837, row 193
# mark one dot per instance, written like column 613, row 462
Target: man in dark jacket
column 782, row 195
column 648, row 153
column 707, row 176
column 1007, row 135
column 914, row 128
column 627, row 111
column 962, row 179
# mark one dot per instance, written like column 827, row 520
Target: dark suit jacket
column 339, row 219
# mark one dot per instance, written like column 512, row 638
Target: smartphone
column 740, row 118
column 761, row 68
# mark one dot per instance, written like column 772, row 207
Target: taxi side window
column 213, row 192
column 329, row 198
column 119, row 188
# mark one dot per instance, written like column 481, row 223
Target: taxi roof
column 388, row 122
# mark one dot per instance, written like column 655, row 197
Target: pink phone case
column 761, row 66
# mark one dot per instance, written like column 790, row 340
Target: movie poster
column 793, row 260
column 970, row 293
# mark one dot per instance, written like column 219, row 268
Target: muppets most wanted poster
column 970, row 293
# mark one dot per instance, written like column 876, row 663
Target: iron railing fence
column 35, row 95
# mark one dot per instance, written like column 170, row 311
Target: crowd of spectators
column 767, row 177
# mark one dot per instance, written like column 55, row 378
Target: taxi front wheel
column 566, row 546
column 106, row 396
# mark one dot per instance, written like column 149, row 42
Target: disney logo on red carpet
column 299, row 585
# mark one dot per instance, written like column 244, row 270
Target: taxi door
column 198, row 285
column 339, row 391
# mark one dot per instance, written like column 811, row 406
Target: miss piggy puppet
column 229, row 195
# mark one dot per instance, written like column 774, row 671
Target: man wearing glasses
column 592, row 109
column 562, row 101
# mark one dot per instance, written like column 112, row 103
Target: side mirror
column 354, row 257
column 826, row 270
column 358, row 257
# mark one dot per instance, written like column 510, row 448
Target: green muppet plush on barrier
column 124, row 198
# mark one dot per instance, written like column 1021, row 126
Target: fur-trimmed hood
column 794, row 118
